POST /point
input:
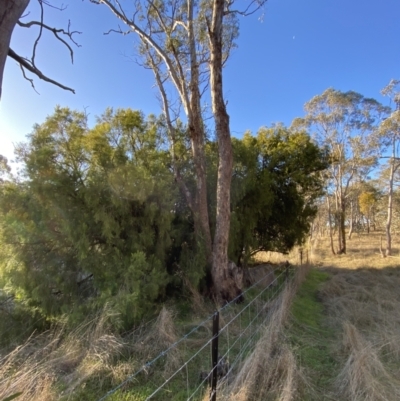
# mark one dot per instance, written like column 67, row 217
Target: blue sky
column 297, row 50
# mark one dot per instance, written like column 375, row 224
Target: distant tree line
column 362, row 136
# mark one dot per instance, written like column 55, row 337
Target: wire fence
column 200, row 363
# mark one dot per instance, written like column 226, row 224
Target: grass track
column 345, row 325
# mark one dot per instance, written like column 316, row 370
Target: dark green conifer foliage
column 275, row 183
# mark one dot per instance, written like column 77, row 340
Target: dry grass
column 364, row 376
column 359, row 308
column 363, row 250
column 353, row 354
column 160, row 337
column 67, row 365
column 270, row 372
column 276, row 258
column 362, row 304
column 57, row 357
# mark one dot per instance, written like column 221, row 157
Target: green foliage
column 141, row 283
column 92, row 216
column 275, row 183
column 308, row 317
column 368, row 199
column 12, row 397
column 344, row 121
column 96, row 217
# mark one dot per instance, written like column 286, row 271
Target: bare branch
column 24, row 63
column 61, row 8
column 28, row 79
column 39, row 35
column 252, row 8
column 146, row 38
column 120, row 31
column 56, row 33
column 181, row 23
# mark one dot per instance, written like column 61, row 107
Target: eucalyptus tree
column 186, row 43
column 389, row 131
column 344, row 122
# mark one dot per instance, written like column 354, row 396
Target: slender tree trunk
column 342, row 226
column 196, row 128
column 390, row 203
column 201, row 209
column 330, row 225
column 351, row 220
column 10, row 13
column 224, row 285
column 337, row 221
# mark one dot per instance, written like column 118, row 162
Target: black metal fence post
column 301, row 257
column 214, row 356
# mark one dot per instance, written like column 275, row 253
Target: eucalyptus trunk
column 196, row 129
column 225, row 285
column 388, row 225
column 342, row 227
column 351, row 228
column 330, row 225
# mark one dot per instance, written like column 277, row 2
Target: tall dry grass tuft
column 22, row 371
column 58, row 356
column 364, row 377
column 161, row 336
column 270, row 372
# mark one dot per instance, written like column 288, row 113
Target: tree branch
column 24, row 63
column 55, row 31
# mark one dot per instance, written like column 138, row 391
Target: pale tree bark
column 351, row 220
column 198, row 204
column 342, row 207
column 159, row 32
column 342, row 226
column 10, row 12
column 196, row 129
column 388, row 224
column 330, row 225
column 224, row 285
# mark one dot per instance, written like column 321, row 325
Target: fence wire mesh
column 183, row 370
